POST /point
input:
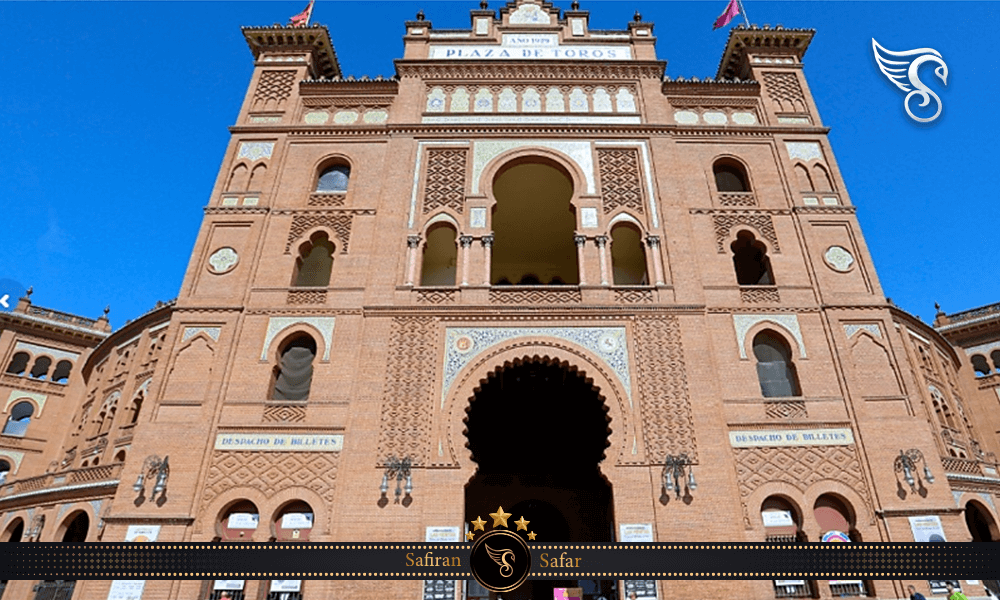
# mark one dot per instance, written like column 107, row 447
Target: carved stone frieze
column 725, row 222
column 445, row 185
column 620, row 184
column 272, row 472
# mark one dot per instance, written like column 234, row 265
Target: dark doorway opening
column 538, row 430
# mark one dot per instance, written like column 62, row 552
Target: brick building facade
column 528, row 271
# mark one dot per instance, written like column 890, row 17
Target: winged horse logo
column 500, row 558
column 904, row 73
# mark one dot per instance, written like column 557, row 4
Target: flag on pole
column 302, row 19
column 728, row 15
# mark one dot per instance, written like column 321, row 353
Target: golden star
column 522, row 524
column 469, row 535
column 500, row 517
column 478, row 524
column 531, row 535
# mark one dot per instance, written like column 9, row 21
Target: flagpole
column 744, row 11
column 309, row 15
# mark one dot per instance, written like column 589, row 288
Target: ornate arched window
column 19, row 419
column 440, row 256
column 315, row 262
column 40, row 370
column 730, row 176
column 753, row 267
column 333, row 179
column 4, row 470
column 628, row 258
column 981, row 366
column 775, row 369
column 61, row 374
column 293, row 374
column 19, row 363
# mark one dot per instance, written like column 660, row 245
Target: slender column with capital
column 602, row 244
column 653, row 241
column 581, row 240
column 466, row 242
column 412, row 243
column 487, row 257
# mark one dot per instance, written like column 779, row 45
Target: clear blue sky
column 114, row 116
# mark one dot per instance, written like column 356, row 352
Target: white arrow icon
column 3, row 301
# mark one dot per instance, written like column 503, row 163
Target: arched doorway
column 534, row 226
column 538, row 430
column 981, row 525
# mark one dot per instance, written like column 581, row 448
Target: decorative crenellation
column 271, row 472
column 409, row 381
column 620, row 184
column 668, row 427
column 522, row 98
column 445, row 187
column 800, row 467
column 760, row 295
column 786, row 409
column 273, row 89
column 284, row 413
column 727, row 221
column 489, row 71
column 785, row 91
column 306, row 297
column 535, row 296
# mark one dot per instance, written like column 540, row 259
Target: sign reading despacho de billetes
column 791, row 437
column 280, row 442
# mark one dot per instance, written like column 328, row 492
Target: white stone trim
column 485, row 151
column 790, row 323
column 36, row 350
column 16, row 395
column 276, row 325
column 647, row 171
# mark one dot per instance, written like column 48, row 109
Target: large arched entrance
column 980, row 524
column 538, row 430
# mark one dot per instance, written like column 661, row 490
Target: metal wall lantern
column 675, row 468
column 906, row 463
column 397, row 469
column 153, row 466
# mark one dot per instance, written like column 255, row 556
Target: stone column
column 602, row 247
column 653, row 241
column 487, row 257
column 412, row 243
column 466, row 242
column 581, row 240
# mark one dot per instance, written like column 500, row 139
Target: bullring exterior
column 528, row 271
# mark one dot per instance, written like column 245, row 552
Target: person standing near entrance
column 954, row 594
column 914, row 594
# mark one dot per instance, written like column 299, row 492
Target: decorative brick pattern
column 663, row 389
column 535, row 296
column 306, row 297
column 725, row 222
column 760, row 295
column 273, row 89
column 800, row 467
column 784, row 89
column 326, row 199
column 786, row 409
column 436, row 296
column 340, row 223
column 284, row 413
column 271, row 472
column 634, row 296
column 409, row 383
column 445, row 179
column 620, row 186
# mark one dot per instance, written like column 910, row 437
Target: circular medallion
column 464, row 344
column 223, row 260
column 608, row 342
column 838, row 258
column 500, row 560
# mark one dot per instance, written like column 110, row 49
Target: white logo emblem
column 904, row 74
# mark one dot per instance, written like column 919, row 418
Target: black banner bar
column 451, row 561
